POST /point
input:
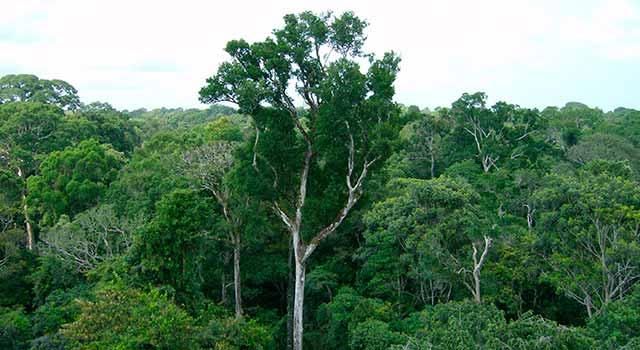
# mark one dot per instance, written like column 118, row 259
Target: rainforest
column 305, row 207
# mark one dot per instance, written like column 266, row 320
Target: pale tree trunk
column 27, row 221
column 290, row 290
column 432, row 154
column 298, row 305
column 474, row 287
column 236, row 276
column 488, row 162
column 479, row 135
column 477, row 266
column 530, row 213
column 617, row 275
column 25, row 209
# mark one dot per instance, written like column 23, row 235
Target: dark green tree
column 168, row 252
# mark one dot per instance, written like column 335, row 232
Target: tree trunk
column 25, row 208
column 476, row 282
column 27, row 221
column 433, row 165
column 530, row 213
column 298, row 305
column 477, row 266
column 223, row 289
column 290, row 291
column 236, row 276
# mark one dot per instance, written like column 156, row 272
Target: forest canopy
column 306, row 207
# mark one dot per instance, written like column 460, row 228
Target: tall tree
column 28, row 130
column 27, row 87
column 208, row 166
column 348, row 121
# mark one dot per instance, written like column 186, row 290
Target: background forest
column 475, row 225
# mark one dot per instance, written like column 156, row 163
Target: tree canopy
column 306, row 207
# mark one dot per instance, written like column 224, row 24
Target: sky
column 158, row 53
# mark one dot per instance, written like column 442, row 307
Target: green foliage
column 168, row 252
column 51, row 275
column 605, row 147
column 104, row 123
column 17, row 264
column 125, row 318
column 503, row 135
column 345, row 104
column 27, row 131
column 26, row 87
column 374, row 335
column 59, row 308
column 55, row 341
column 15, row 329
column 424, row 151
column 351, row 321
column 150, row 174
column 459, row 325
column 160, row 120
column 590, row 224
column 221, row 331
column 534, row 332
column 73, row 180
column 135, row 213
column 466, row 325
column 569, row 123
column 94, row 236
column 624, row 122
column 226, row 129
column 618, row 324
column 418, row 238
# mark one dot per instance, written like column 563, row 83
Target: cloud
column 158, row 53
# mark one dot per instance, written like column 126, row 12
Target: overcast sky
column 158, row 53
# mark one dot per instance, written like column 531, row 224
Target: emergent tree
column 341, row 134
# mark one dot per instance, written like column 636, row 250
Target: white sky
column 158, row 53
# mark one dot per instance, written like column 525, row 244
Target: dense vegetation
column 468, row 226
